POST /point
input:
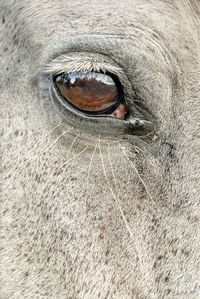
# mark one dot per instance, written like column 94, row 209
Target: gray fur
column 89, row 209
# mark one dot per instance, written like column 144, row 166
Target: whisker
column 69, row 151
column 75, row 156
column 55, row 141
column 89, row 168
column 38, row 130
column 139, row 176
column 69, row 148
column 112, row 170
column 117, row 201
column 67, row 155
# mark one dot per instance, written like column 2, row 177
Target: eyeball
column 91, row 93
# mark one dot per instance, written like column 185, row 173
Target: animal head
column 100, row 149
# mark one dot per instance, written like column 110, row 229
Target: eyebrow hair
column 71, row 64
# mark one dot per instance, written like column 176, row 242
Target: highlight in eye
column 92, row 93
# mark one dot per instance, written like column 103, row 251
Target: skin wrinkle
column 78, row 220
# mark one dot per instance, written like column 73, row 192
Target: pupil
column 89, row 92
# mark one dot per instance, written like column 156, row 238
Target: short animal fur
column 89, row 210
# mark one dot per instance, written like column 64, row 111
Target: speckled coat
column 93, row 207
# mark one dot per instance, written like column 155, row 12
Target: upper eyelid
column 70, row 63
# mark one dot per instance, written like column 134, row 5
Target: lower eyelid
column 106, row 125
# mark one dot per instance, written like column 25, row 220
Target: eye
column 92, row 93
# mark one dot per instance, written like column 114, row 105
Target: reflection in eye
column 92, row 93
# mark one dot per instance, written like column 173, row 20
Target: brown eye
column 93, row 93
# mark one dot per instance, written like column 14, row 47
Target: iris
column 91, row 93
